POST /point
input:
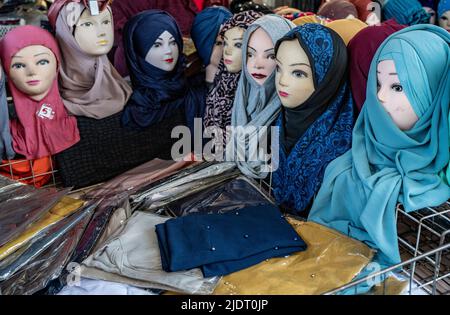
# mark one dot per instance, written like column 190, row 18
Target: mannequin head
column 33, row 70
column 260, row 56
column 444, row 20
column 164, row 53
column 294, row 77
column 432, row 14
column 95, row 34
column 392, row 96
column 232, row 49
column 216, row 55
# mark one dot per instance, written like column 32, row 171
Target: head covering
column 89, row 85
column 444, row 6
column 42, row 128
column 311, row 19
column 347, row 28
column 337, row 9
column 183, row 11
column 256, row 105
column 59, row 4
column 205, row 29
column 157, row 93
column 319, row 130
column 253, row 6
column 361, row 50
column 6, row 149
column 407, row 12
column 429, row 3
column 220, row 99
column 386, row 165
column 306, row 5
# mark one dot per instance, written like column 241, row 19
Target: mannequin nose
column 30, row 70
column 258, row 64
column 282, row 80
column 227, row 51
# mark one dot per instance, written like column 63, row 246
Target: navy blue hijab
column 205, row 29
column 157, row 93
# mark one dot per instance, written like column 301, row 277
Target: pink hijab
column 90, row 86
column 42, row 128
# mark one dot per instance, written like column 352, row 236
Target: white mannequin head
column 260, row 56
column 164, row 52
column 392, row 96
column 232, row 49
column 444, row 20
column 294, row 76
column 95, row 34
column 33, row 70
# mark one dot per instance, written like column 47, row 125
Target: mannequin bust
column 164, row 53
column 232, row 50
column 432, row 14
column 444, row 20
column 216, row 55
column 97, row 29
column 294, row 78
column 33, row 71
column 260, row 56
column 392, row 96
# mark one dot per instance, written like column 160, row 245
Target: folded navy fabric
column 220, row 244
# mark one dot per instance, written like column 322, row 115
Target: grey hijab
column 6, row 149
column 255, row 105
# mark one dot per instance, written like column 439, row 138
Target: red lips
column 33, row 82
column 259, row 76
column 228, row 61
column 283, row 94
column 170, row 60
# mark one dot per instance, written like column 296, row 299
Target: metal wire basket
column 7, row 23
column 424, row 244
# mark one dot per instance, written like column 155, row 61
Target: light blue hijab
column 387, row 166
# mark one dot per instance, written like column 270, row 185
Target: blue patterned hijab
column 320, row 129
column 157, row 93
column 206, row 28
column 386, row 165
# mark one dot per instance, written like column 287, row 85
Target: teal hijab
column 387, row 166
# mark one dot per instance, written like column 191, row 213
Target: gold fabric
column 62, row 209
column 330, row 261
column 310, row 19
column 348, row 28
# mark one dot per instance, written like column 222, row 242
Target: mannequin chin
column 214, row 61
column 95, row 34
column 33, row 70
column 432, row 13
column 232, row 50
column 392, row 97
column 260, row 56
column 444, row 21
column 294, row 77
column 164, row 53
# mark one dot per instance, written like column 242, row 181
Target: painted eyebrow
column 391, row 73
column 44, row 53
column 241, row 38
column 299, row 64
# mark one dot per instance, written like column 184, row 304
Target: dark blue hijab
column 205, row 29
column 157, row 93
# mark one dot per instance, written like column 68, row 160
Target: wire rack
column 7, row 23
column 424, row 244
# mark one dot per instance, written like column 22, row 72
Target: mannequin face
column 214, row 61
column 232, row 49
column 392, row 96
column 444, row 20
column 33, row 70
column 95, row 34
column 164, row 52
column 432, row 13
column 260, row 56
column 294, row 78
column 374, row 17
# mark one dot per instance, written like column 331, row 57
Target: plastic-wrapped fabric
column 107, row 150
column 232, row 195
column 330, row 261
column 220, row 244
column 180, row 187
column 46, row 259
column 132, row 256
column 22, row 205
column 62, row 209
column 100, row 287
